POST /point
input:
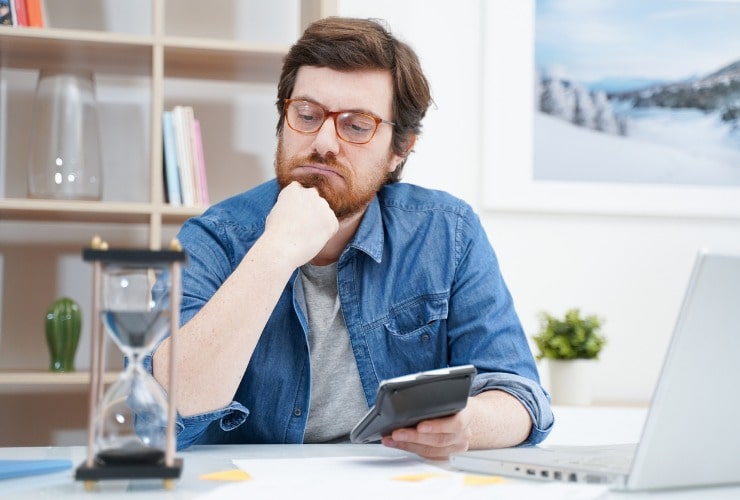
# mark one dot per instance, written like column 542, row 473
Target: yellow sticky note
column 419, row 477
column 472, row 480
column 227, row 475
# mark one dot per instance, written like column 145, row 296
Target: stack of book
column 184, row 164
column 22, row 13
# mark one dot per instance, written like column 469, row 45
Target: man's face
column 347, row 175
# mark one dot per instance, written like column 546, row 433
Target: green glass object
column 63, row 325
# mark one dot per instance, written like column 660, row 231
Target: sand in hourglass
column 136, row 330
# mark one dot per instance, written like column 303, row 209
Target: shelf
column 178, row 215
column 27, row 48
column 90, row 211
column 184, row 57
column 35, row 381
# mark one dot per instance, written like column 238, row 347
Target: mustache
column 328, row 160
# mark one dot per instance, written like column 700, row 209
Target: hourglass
column 136, row 296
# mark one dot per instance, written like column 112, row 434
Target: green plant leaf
column 572, row 337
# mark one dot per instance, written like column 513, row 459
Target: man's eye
column 359, row 127
column 308, row 117
column 360, row 124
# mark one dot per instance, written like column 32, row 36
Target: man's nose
column 326, row 140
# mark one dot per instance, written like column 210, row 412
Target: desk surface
column 574, row 426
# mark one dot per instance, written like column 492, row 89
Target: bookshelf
column 223, row 58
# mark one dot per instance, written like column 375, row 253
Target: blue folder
column 19, row 468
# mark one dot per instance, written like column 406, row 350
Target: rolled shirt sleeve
column 529, row 393
column 189, row 429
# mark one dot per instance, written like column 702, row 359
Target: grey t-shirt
column 337, row 399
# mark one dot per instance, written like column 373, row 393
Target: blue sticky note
column 19, row 468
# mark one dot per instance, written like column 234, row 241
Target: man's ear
column 397, row 160
column 410, row 141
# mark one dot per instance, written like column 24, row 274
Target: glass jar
column 65, row 160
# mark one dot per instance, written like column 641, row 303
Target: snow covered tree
column 537, row 91
column 557, row 100
column 584, row 111
column 604, row 119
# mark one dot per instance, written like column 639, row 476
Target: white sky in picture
column 653, row 39
column 566, row 152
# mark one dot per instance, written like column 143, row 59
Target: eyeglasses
column 352, row 126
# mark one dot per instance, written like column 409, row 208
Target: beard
column 345, row 202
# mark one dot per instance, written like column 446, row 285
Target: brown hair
column 345, row 44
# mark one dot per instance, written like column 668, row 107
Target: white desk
column 573, row 426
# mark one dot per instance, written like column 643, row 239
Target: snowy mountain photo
column 637, row 92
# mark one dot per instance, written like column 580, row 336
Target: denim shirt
column 420, row 288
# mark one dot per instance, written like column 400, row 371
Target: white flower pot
column 570, row 381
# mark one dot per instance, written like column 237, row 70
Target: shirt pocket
column 413, row 319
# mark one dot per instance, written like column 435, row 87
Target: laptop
column 690, row 436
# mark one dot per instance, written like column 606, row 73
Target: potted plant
column 570, row 345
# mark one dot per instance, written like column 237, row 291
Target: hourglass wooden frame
column 91, row 470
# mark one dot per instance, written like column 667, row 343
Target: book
column 35, row 12
column 6, row 13
column 200, row 163
column 21, row 15
column 183, row 153
column 171, row 169
column 187, row 124
column 19, row 468
column 186, row 147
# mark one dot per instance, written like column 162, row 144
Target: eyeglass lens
column 308, row 117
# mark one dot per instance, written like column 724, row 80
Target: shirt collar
column 369, row 236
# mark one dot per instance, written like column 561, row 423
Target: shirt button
column 297, row 412
column 425, row 337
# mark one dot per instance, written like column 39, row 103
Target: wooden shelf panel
column 29, row 48
column 178, row 215
column 184, row 57
column 90, row 211
column 13, row 382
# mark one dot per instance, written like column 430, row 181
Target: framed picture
column 626, row 107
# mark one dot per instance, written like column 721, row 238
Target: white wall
column 629, row 269
column 447, row 155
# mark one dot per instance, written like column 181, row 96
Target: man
column 303, row 293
